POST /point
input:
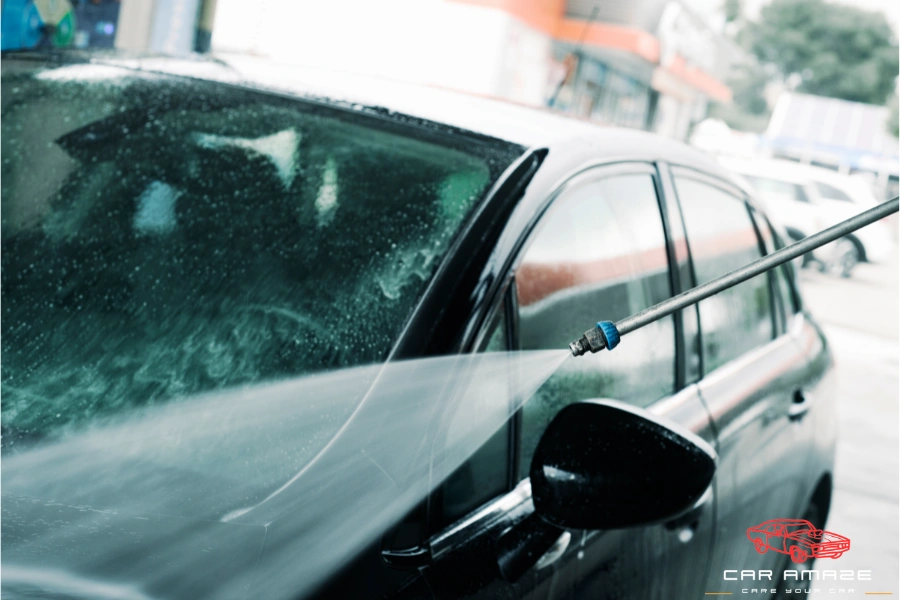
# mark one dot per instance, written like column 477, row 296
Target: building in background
column 648, row 64
column 167, row 26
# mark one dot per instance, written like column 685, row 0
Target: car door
column 753, row 382
column 602, row 252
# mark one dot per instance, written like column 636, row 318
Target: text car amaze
column 801, row 575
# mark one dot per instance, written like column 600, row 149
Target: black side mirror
column 606, row 465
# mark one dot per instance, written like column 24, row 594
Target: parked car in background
column 883, row 187
column 180, row 234
column 807, row 199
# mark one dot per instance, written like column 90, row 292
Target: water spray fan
column 606, row 334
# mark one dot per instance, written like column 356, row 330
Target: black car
column 273, row 333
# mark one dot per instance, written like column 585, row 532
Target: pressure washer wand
column 606, row 334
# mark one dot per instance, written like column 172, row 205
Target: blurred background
column 799, row 97
column 806, row 80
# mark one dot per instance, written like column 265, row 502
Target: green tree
column 748, row 110
column 831, row 49
column 732, row 10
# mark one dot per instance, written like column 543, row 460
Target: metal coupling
column 592, row 340
column 604, row 335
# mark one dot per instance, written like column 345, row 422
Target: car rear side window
column 722, row 238
column 599, row 254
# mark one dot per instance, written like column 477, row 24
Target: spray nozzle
column 604, row 335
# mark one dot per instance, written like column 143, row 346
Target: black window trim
column 776, row 309
column 507, row 305
column 511, row 306
column 729, row 188
column 788, row 271
column 668, row 197
column 590, row 174
column 674, row 281
column 505, row 299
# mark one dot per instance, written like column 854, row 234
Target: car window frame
column 441, row 538
column 776, row 298
column 788, row 271
column 750, row 206
column 668, row 197
column 593, row 173
column 435, row 522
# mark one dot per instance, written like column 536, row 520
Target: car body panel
column 761, row 468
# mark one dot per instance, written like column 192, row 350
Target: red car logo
column 798, row 538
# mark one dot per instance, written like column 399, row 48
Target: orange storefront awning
column 548, row 16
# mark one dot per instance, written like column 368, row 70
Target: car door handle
column 800, row 406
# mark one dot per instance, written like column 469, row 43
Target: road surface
column 860, row 316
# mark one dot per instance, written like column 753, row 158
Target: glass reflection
column 598, row 255
column 722, row 238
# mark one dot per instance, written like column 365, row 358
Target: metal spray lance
column 606, row 334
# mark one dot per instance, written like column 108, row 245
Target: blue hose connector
column 610, row 333
column 604, row 335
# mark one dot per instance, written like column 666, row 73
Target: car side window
column 722, row 238
column 598, row 254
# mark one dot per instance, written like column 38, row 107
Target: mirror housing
column 604, row 464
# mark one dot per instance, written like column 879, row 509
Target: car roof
column 523, row 125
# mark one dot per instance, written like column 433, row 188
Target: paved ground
column 861, row 317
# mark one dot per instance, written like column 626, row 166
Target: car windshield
column 163, row 237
